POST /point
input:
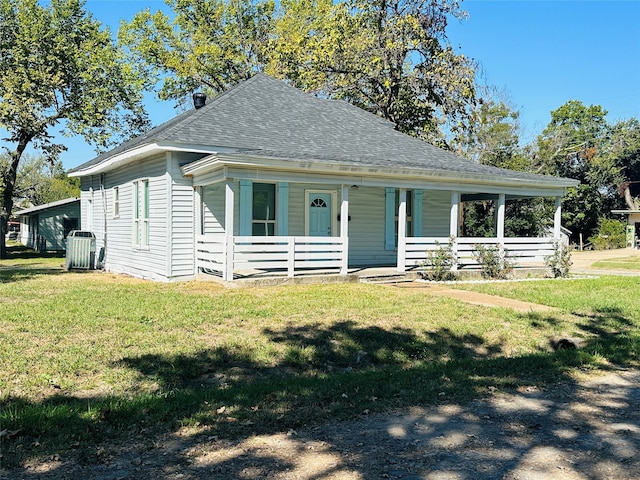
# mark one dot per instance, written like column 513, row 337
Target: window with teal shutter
column 392, row 206
column 264, row 210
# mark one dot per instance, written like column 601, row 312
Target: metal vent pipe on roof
column 199, row 100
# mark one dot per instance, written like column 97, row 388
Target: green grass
column 89, row 358
column 622, row 263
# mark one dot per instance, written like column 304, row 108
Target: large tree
column 494, row 139
column 573, row 145
column 624, row 152
column 58, row 67
column 391, row 57
column 205, row 44
column 39, row 181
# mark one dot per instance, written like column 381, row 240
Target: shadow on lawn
column 336, row 373
column 18, row 265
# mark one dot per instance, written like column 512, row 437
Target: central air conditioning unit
column 81, row 250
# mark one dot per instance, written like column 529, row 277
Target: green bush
column 611, row 234
column 560, row 260
column 439, row 263
column 493, row 261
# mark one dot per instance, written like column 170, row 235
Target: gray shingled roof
column 271, row 119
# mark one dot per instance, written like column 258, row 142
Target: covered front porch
column 387, row 226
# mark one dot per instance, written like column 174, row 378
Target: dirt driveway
column 583, row 261
column 575, row 430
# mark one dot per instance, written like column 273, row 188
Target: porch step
column 390, row 279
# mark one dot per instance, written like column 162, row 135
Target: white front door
column 319, row 214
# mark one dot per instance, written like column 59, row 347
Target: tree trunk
column 628, row 198
column 9, row 185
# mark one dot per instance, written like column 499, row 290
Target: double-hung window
column 263, row 222
column 141, row 214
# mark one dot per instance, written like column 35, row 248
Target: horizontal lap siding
column 213, row 208
column 366, row 228
column 121, row 256
column 182, row 249
column 436, row 211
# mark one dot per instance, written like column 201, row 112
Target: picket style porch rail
column 225, row 255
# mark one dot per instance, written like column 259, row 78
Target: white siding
column 436, row 208
column 213, row 208
column 116, row 233
column 367, row 228
column 181, row 220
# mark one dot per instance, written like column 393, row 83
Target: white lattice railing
column 286, row 253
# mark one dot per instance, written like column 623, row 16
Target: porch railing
column 524, row 251
column 223, row 255
column 290, row 254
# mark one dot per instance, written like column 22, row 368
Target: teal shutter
column 246, row 207
column 390, row 219
column 416, row 215
column 282, row 209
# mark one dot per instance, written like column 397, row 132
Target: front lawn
column 621, row 263
column 94, row 357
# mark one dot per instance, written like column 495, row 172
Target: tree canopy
column 59, row 67
column 391, row 58
column 39, row 181
column 573, row 146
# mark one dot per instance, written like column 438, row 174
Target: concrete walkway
column 476, row 298
column 582, row 264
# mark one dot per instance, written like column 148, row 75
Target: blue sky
column 543, row 53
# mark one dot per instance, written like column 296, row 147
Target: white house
column 267, row 178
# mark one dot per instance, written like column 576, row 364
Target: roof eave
column 219, row 161
column 145, row 151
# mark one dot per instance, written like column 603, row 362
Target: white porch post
column 500, row 222
column 344, row 229
column 453, row 218
column 229, row 198
column 454, row 224
column 500, row 218
column 557, row 219
column 402, row 230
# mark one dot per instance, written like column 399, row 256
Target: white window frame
column 141, row 214
column 266, row 222
column 116, row 202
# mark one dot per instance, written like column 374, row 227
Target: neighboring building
column 267, row 178
column 46, row 227
column 633, row 226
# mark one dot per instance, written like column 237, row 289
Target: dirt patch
column 574, row 430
